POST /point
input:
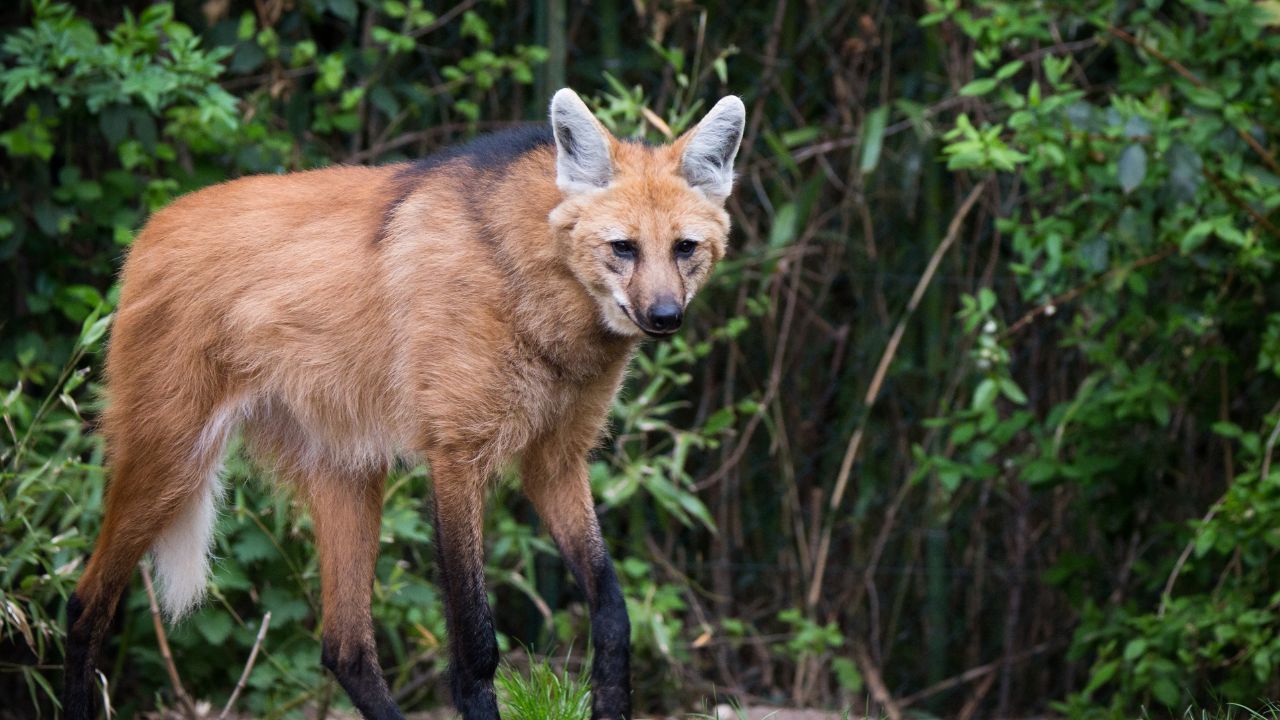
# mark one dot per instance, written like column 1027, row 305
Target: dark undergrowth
column 976, row 420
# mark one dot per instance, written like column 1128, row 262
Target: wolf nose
column 665, row 316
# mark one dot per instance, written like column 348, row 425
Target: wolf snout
column 665, row 316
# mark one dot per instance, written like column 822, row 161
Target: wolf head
column 640, row 226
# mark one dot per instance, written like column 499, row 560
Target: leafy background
column 977, row 419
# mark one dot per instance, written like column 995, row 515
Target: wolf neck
column 552, row 314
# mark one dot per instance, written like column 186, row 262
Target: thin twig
column 1235, row 200
column 326, row 699
column 827, row 146
column 444, row 19
column 1270, row 447
column 248, row 667
column 1167, row 594
column 875, row 683
column 972, row 674
column 873, row 390
column 107, row 709
column 1186, row 555
column 184, row 700
column 891, row 349
column 1192, row 78
column 1072, row 294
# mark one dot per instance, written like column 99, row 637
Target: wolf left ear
column 707, row 160
column 583, row 159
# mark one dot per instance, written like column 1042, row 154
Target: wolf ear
column 707, row 160
column 583, row 160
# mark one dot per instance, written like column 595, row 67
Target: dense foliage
column 977, row 419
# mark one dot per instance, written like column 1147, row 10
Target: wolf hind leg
column 347, row 511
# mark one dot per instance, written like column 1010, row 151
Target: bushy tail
column 181, row 553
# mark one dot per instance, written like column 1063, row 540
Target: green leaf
column 1010, row 389
column 1009, row 70
column 215, row 625
column 286, row 605
column 979, row 87
column 873, row 138
column 1205, row 541
column 847, row 675
column 345, row 9
column 93, row 329
column 985, row 394
column 1101, row 675
column 800, row 136
column 1166, row 691
column 719, row 421
column 785, row 221
column 1204, row 97
column 253, row 545
column 1132, row 167
column 1186, row 171
column 1134, row 649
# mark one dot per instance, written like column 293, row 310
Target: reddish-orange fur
column 342, row 318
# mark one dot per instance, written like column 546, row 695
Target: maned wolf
column 470, row 309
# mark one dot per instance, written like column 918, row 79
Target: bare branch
column 184, row 700
column 248, row 666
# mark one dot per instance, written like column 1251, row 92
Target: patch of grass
column 1270, row 710
column 543, row 694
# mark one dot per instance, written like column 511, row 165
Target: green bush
column 1143, row 204
column 883, row 429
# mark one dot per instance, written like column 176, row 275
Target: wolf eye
column 685, row 248
column 623, row 248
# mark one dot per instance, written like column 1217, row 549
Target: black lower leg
column 611, row 641
column 359, row 674
column 473, row 648
column 86, row 628
column 610, row 631
column 472, row 645
column 77, row 689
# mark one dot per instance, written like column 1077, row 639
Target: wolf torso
column 356, row 329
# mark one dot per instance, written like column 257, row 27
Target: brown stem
column 248, row 666
column 972, row 674
column 875, row 683
column 873, row 390
column 1213, row 510
column 1191, row 77
column 184, row 700
column 1076, row 292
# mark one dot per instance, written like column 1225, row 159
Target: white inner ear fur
column 582, row 148
column 708, row 157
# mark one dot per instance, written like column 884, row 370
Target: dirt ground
column 205, row 711
column 722, row 712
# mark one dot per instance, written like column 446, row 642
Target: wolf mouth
column 655, row 334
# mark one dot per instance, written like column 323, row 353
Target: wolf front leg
column 473, row 649
column 555, row 479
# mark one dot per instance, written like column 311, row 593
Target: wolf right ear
column 710, row 149
column 583, row 159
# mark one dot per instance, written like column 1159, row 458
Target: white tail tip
column 181, row 554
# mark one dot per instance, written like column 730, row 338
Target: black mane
column 488, row 152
